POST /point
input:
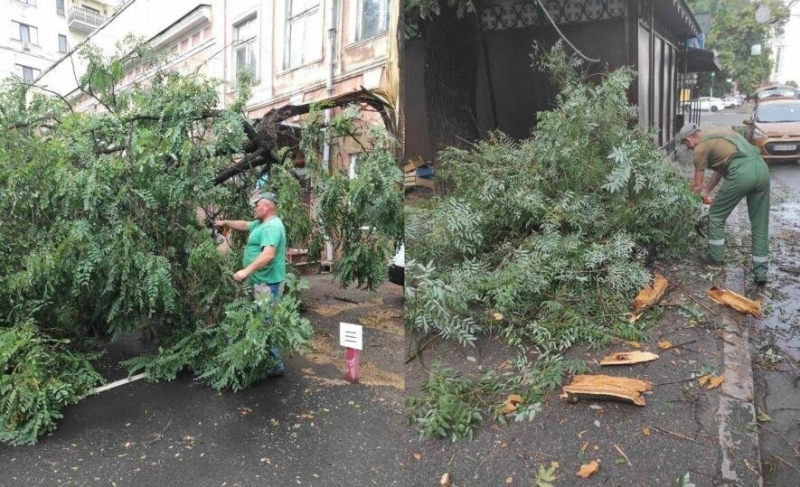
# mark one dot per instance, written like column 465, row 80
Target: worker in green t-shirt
column 746, row 175
column 264, row 256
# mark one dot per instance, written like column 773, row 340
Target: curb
column 738, row 435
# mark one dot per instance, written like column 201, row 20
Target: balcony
column 84, row 20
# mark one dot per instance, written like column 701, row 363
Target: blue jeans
column 275, row 290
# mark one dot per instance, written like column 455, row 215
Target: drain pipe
column 326, row 150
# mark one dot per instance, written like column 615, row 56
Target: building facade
column 786, row 50
column 298, row 51
column 36, row 33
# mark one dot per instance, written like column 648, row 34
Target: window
column 27, row 73
column 90, row 9
column 28, row 2
column 60, row 7
column 25, row 33
column 245, row 46
column 303, row 32
column 352, row 171
column 373, row 18
column 62, row 43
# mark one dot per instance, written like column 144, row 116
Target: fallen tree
column 542, row 242
column 98, row 213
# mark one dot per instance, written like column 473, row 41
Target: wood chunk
column 510, row 404
column 649, row 296
column 735, row 301
column 608, row 388
column 588, row 469
column 413, row 164
column 628, row 358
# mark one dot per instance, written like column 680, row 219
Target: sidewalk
column 309, row 427
column 684, row 433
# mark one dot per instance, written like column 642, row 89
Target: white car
column 397, row 267
column 730, row 102
column 705, row 103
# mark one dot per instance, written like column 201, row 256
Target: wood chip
column 714, row 382
column 627, row 358
column 649, row 296
column 510, row 404
column 607, row 388
column 445, row 481
column 588, row 469
column 735, row 301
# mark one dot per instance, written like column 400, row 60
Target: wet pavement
column 309, row 427
column 685, row 433
column 774, row 340
column 675, row 436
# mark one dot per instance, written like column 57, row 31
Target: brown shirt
column 714, row 153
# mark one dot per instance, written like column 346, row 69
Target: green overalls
column 747, row 175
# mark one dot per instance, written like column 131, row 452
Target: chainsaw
column 702, row 216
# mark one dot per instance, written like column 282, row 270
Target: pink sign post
column 350, row 337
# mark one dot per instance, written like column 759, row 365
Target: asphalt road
column 309, row 427
column 775, row 339
column 730, row 116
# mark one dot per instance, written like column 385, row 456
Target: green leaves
column 38, row 377
column 449, row 409
column 550, row 233
column 361, row 216
column 734, row 30
column 102, row 236
column 236, row 352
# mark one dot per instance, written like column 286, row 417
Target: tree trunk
column 451, row 76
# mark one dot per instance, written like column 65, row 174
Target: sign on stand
column 351, row 337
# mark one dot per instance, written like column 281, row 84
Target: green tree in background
column 734, row 30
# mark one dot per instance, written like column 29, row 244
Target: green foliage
column 451, row 406
column 234, row 353
column 543, row 242
column 734, row 30
column 363, row 216
column 99, row 213
column 545, row 476
column 552, row 234
column 38, row 377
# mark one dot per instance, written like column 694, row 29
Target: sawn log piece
column 649, row 296
column 607, row 388
column 628, row 358
column 735, row 301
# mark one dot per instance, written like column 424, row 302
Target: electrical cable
column 577, row 51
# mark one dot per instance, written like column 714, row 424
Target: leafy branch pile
column 543, row 241
column 39, row 377
column 101, row 234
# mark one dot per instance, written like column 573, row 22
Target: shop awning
column 699, row 61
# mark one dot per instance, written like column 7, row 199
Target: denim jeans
column 261, row 291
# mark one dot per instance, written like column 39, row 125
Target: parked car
column 705, row 103
column 397, row 267
column 774, row 127
column 730, row 102
column 776, row 91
